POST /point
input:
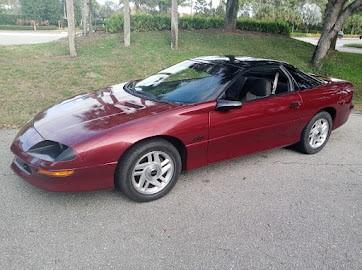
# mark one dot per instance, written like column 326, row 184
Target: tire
column 158, row 168
column 307, row 144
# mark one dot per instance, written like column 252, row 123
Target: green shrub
column 27, row 27
column 8, row 19
column 275, row 27
column 114, row 23
column 198, row 22
column 147, row 22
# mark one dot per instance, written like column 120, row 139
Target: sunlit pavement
column 274, row 210
column 340, row 43
column 29, row 37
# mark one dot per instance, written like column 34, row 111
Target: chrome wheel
column 152, row 172
column 318, row 133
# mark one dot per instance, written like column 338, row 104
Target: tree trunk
column 90, row 17
column 85, row 17
column 174, row 25
column 71, row 28
column 334, row 42
column 337, row 11
column 232, row 7
column 126, row 24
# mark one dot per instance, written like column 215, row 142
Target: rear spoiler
column 326, row 78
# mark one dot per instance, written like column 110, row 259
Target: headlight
column 51, row 151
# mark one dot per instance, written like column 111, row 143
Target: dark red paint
column 101, row 126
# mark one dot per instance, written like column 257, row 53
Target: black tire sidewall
column 305, row 137
column 128, row 161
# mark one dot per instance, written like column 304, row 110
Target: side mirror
column 225, row 105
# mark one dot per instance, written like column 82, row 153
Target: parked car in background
column 340, row 34
column 138, row 136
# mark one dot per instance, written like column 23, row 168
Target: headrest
column 258, row 86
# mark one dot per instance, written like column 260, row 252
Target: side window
column 258, row 82
column 280, row 83
column 303, row 80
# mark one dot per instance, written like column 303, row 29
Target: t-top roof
column 239, row 61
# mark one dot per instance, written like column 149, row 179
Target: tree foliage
column 202, row 7
column 148, row 22
column 161, row 6
column 107, row 9
column 42, row 10
column 311, row 14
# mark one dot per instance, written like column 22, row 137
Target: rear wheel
column 149, row 170
column 316, row 133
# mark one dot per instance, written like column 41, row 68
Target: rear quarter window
column 302, row 80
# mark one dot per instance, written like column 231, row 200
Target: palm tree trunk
column 174, row 25
column 85, row 17
column 71, row 28
column 232, row 7
column 126, row 24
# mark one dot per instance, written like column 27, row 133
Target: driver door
column 261, row 123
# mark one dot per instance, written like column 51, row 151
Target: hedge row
column 7, row 19
column 264, row 26
column 27, row 27
column 146, row 22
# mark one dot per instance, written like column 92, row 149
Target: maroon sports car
column 138, row 136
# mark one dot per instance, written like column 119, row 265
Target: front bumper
column 83, row 179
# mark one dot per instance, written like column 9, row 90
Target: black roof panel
column 239, row 61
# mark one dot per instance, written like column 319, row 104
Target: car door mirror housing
column 225, row 105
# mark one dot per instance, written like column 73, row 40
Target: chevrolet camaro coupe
column 138, row 136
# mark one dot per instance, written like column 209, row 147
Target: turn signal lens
column 62, row 173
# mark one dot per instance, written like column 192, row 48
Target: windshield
column 186, row 82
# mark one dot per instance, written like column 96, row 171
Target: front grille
column 22, row 165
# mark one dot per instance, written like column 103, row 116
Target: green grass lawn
column 354, row 45
column 33, row 77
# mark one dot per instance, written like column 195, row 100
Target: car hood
column 84, row 116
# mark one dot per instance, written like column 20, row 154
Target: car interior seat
column 256, row 88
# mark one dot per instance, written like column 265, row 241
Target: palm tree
column 71, row 27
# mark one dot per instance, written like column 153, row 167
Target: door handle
column 294, row 105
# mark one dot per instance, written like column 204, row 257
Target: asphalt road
column 29, row 37
column 340, row 43
column 273, row 210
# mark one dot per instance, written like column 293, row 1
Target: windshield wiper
column 130, row 88
column 145, row 94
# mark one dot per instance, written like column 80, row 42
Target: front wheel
column 149, row 170
column 316, row 133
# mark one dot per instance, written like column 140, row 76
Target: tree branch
column 347, row 11
column 332, row 12
column 354, row 6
